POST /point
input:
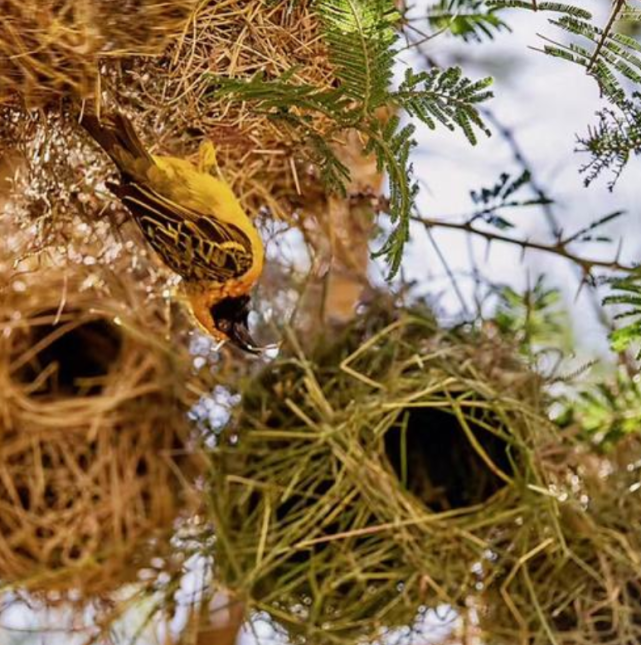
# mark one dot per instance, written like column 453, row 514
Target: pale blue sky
column 545, row 102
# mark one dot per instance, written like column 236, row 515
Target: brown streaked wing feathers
column 116, row 135
column 197, row 247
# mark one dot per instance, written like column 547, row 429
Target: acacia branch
column 616, row 9
column 560, row 247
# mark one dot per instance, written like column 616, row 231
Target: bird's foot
column 207, row 159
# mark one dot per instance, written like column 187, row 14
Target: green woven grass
column 586, row 589
column 393, row 470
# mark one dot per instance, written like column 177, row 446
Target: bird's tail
column 116, row 135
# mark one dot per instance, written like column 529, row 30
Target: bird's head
column 228, row 322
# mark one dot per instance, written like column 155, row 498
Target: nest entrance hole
column 78, row 360
column 433, row 458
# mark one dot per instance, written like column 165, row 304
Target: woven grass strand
column 94, row 440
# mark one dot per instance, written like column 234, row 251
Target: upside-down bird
column 193, row 221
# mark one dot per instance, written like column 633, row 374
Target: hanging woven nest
column 176, row 96
column 586, row 588
column 51, row 49
column 379, row 476
column 95, row 448
column 174, row 100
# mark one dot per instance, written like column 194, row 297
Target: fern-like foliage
column 445, row 97
column 612, row 142
column 605, row 412
column 608, row 56
column 361, row 38
column 392, row 148
column 535, row 319
column 613, row 59
column 627, row 294
column 471, row 20
column 492, row 202
column 529, row 5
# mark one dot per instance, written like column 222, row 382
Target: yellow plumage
column 193, row 221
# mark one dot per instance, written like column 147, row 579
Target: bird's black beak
column 230, row 317
column 239, row 335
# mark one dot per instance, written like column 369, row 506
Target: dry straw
column 265, row 160
column 95, row 452
column 52, row 49
column 172, row 99
column 393, row 470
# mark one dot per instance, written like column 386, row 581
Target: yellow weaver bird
column 193, row 221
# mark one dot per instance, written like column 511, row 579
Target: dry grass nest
column 95, row 448
column 172, row 97
column 397, row 468
column 51, row 49
column 175, row 97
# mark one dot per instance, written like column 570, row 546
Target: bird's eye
column 224, row 326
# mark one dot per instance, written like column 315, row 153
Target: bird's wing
column 198, row 247
column 116, row 135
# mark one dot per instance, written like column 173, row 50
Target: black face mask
column 230, row 317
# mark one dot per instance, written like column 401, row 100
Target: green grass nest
column 583, row 589
column 394, row 469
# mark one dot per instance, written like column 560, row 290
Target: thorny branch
column 507, row 134
column 560, row 247
column 616, row 9
column 553, row 225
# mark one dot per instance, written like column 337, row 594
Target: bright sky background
column 545, row 102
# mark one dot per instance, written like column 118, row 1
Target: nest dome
column 94, row 436
column 370, row 480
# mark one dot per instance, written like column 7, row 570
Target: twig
column 553, row 224
column 560, row 247
column 606, row 32
column 519, row 157
column 448, row 270
column 584, row 266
